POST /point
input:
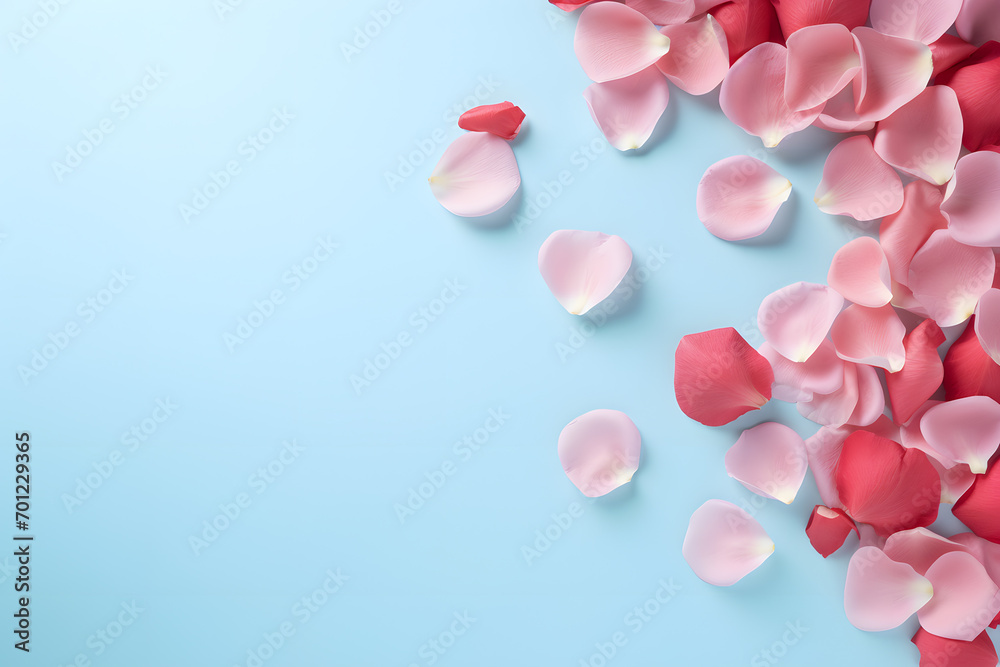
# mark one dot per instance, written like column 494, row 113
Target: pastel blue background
column 334, row 506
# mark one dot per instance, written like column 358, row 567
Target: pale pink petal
column 614, row 41
column 978, row 22
column 477, row 175
column 770, row 460
column 965, row 430
column 919, row 548
column 753, row 96
column 823, row 451
column 987, row 323
column 583, row 268
column 901, row 234
column 724, row 543
column 871, row 398
column 871, row 336
column 600, row 451
column 948, row 278
column 627, row 109
column 795, row 319
column 923, row 137
column 739, row 196
column 975, row 199
column 923, row 21
column 965, row 598
column 664, row 12
column 840, row 115
column 822, row 373
column 858, row 183
column 698, row 59
column 955, row 481
column 881, row 593
column 860, row 272
column 912, row 438
column 986, row 552
column 835, row 408
column 821, row 61
column 894, row 70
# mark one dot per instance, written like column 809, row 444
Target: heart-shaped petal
column 583, row 268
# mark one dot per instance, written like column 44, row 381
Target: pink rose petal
column 599, row 451
column 975, row 199
column 822, row 60
column 739, row 196
column 698, row 59
column 871, row 336
column 628, row 109
column 770, row 460
column 948, row 278
column 583, row 268
column 614, row 41
column 860, row 272
column 795, row 319
column 923, row 21
column 987, row 323
column 965, row 598
column 965, row 430
column 894, row 70
column 923, row 137
column 880, row 593
column 858, row 183
column 476, row 176
column 724, row 543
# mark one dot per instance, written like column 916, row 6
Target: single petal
column 614, row 41
column 724, row 543
column 870, row 336
column 753, row 96
column 837, row 407
column 583, row 268
column 770, row 460
column 747, row 23
column 476, row 176
column 823, row 450
column 664, row 12
column 987, row 323
column 948, row 278
column 921, row 21
column 718, row 377
column 966, row 430
column 949, row 51
column 880, row 593
column 919, row 548
column 924, row 137
column 965, row 598
column 739, row 196
column 599, row 451
column 860, row 272
column 885, row 485
column 821, row 62
column 871, row 398
column 828, row 528
column 978, row 22
column 698, row 59
column 793, row 15
column 821, row 373
column 503, row 120
column 980, row 652
column 976, row 81
column 570, row 5
column 894, row 70
column 628, row 109
column 977, row 509
column 902, row 234
column 975, row 197
column 922, row 373
column 795, row 319
column 969, row 370
column 858, row 183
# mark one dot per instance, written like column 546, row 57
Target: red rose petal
column 921, row 374
column 941, row 652
column 828, row 528
column 795, row 14
column 976, row 81
column 747, row 23
column 968, row 370
column 503, row 120
column 977, row 509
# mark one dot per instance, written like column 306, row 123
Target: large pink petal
column 978, row 22
column 724, row 543
column 894, row 70
column 881, row 593
column 795, row 319
column 739, row 196
column 924, row 137
column 583, row 268
column 871, row 398
column 919, row 548
column 614, row 41
column 965, row 598
column 837, row 407
column 822, row 373
column 664, row 12
column 828, row 528
column 921, row 375
column 599, row 451
column 858, row 183
column 627, row 109
column 477, row 175
column 902, row 234
column 698, row 59
column 753, row 96
column 966, row 430
column 821, row 62
column 770, row 460
column 948, row 278
column 860, row 272
column 923, row 21
column 871, row 336
column 975, row 199
column 987, row 323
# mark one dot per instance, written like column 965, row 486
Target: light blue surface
column 333, row 506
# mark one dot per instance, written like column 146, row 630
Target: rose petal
column 970, row 371
column 987, row 323
column 902, row 234
column 821, row 61
column 965, row 598
column 822, row 373
column 583, row 268
column 627, row 109
column 977, row 509
column 698, row 59
column 894, row 70
column 948, row 278
column 828, row 528
column 840, row 115
column 922, row 21
column 614, row 41
column 858, row 183
column 871, row 336
column 948, row 51
column 880, row 593
column 793, row 15
column 966, row 430
column 976, row 82
column 860, row 272
column 770, row 460
column 980, row 652
column 724, row 543
column 739, row 196
column 795, row 319
column 955, row 481
column 476, row 176
column 503, row 120
column 570, row 5
column 922, row 374
column 823, row 450
column 919, row 548
column 837, row 407
column 871, row 398
column 975, row 197
column 747, row 23
column 924, row 137
column 664, row 12
column 978, row 22
column 599, row 451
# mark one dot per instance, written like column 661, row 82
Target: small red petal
column 977, row 509
column 718, row 376
column 885, row 485
column 828, row 528
column 941, row 652
column 795, row 14
column 968, row 370
column 747, row 23
column 921, row 375
column 976, row 82
column 948, row 51
column 571, row 5
column 503, row 120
